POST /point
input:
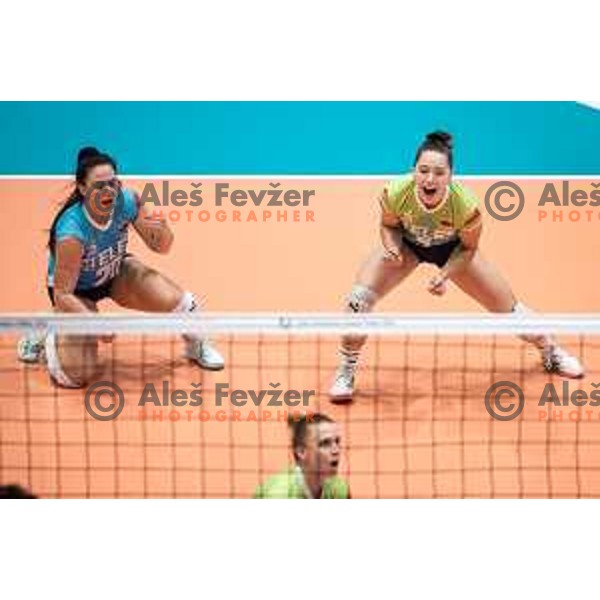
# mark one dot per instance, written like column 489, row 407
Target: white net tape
column 385, row 324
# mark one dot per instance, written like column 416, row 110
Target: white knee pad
column 361, row 299
column 54, row 367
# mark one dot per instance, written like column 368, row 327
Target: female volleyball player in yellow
column 88, row 262
column 427, row 217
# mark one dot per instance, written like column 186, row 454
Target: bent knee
column 72, row 362
column 133, row 271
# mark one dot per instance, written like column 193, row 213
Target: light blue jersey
column 104, row 248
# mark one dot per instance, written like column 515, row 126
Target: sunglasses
column 113, row 184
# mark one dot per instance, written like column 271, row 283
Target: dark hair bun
column 440, row 137
column 87, row 153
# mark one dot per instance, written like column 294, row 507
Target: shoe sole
column 565, row 374
column 209, row 367
column 570, row 375
column 205, row 366
column 345, row 399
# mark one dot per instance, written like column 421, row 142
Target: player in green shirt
column 316, row 448
column 428, row 217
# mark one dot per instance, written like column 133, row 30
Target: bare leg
column 73, row 359
column 484, row 283
column 376, row 278
column 140, row 287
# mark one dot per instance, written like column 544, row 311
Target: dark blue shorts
column 437, row 255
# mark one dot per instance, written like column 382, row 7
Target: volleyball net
column 445, row 406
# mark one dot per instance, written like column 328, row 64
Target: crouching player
column 89, row 262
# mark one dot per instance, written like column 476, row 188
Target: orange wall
column 308, row 266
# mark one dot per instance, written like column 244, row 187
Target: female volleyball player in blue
column 88, row 262
column 428, row 217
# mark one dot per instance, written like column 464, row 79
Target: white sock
column 188, row 304
column 541, row 341
column 348, row 357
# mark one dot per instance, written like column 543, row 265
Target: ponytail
column 87, row 158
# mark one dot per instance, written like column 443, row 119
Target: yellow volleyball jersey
column 424, row 226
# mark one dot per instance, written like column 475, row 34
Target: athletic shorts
column 94, row 294
column 437, row 255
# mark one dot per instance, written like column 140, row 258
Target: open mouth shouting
column 106, row 199
column 430, row 195
column 101, row 200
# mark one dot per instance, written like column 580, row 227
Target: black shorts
column 94, row 294
column 437, row 255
